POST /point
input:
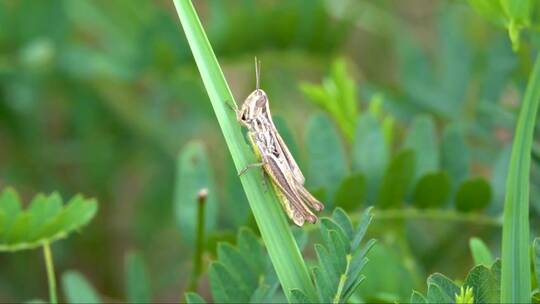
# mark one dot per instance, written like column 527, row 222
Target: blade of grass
column 275, row 231
column 516, row 274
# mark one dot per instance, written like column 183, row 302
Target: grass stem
column 516, row 272
column 274, row 227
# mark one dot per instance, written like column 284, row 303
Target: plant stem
column 197, row 256
column 515, row 272
column 274, row 227
column 342, row 280
column 50, row 272
column 435, row 215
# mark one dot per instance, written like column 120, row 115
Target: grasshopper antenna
column 257, row 73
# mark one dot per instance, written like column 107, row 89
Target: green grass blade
column 275, row 231
column 516, row 274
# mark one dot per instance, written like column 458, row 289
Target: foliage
column 480, row 252
column 326, row 154
column 337, row 96
column 341, row 257
column 77, row 289
column 44, row 221
column 136, row 279
column 194, row 174
column 416, row 110
column 384, row 178
column 514, row 15
column 516, row 273
column 481, row 285
column 243, row 273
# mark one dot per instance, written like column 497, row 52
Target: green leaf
column 417, row 297
column 485, row 287
column 350, row 193
column 441, row 289
column 194, row 298
column 432, row 190
column 386, row 275
column 193, row 175
column 10, row 207
column 299, row 296
column 19, row 230
column 48, row 207
column 535, row 298
column 301, row 236
column 264, row 293
column 480, row 252
column 338, row 274
column 45, row 220
column 225, row 287
column 235, row 262
column 342, row 219
column 496, row 272
column 327, row 165
column 455, row 68
column 473, row 194
column 455, row 155
column 137, row 284
column 517, row 10
column 340, row 249
column 243, row 271
column 518, row 15
column 252, row 250
column 516, row 273
column 352, row 289
column 328, row 225
column 358, row 261
column 490, row 10
column 337, row 96
column 328, row 265
column 363, row 225
column 498, row 179
column 324, row 287
column 536, row 258
column 421, row 139
column 370, row 153
column 397, row 178
column 435, row 294
column 77, row 289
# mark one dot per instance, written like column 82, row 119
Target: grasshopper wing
column 296, row 172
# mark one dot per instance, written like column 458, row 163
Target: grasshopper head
column 254, row 106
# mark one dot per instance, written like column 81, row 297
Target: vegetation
column 413, row 123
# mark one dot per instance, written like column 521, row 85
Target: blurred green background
column 100, row 97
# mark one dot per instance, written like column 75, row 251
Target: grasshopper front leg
column 255, row 165
column 233, row 106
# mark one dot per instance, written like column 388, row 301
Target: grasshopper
column 275, row 157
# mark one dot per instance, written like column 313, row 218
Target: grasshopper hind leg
column 296, row 216
column 310, row 200
column 295, row 208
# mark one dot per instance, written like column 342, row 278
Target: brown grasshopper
column 275, row 157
